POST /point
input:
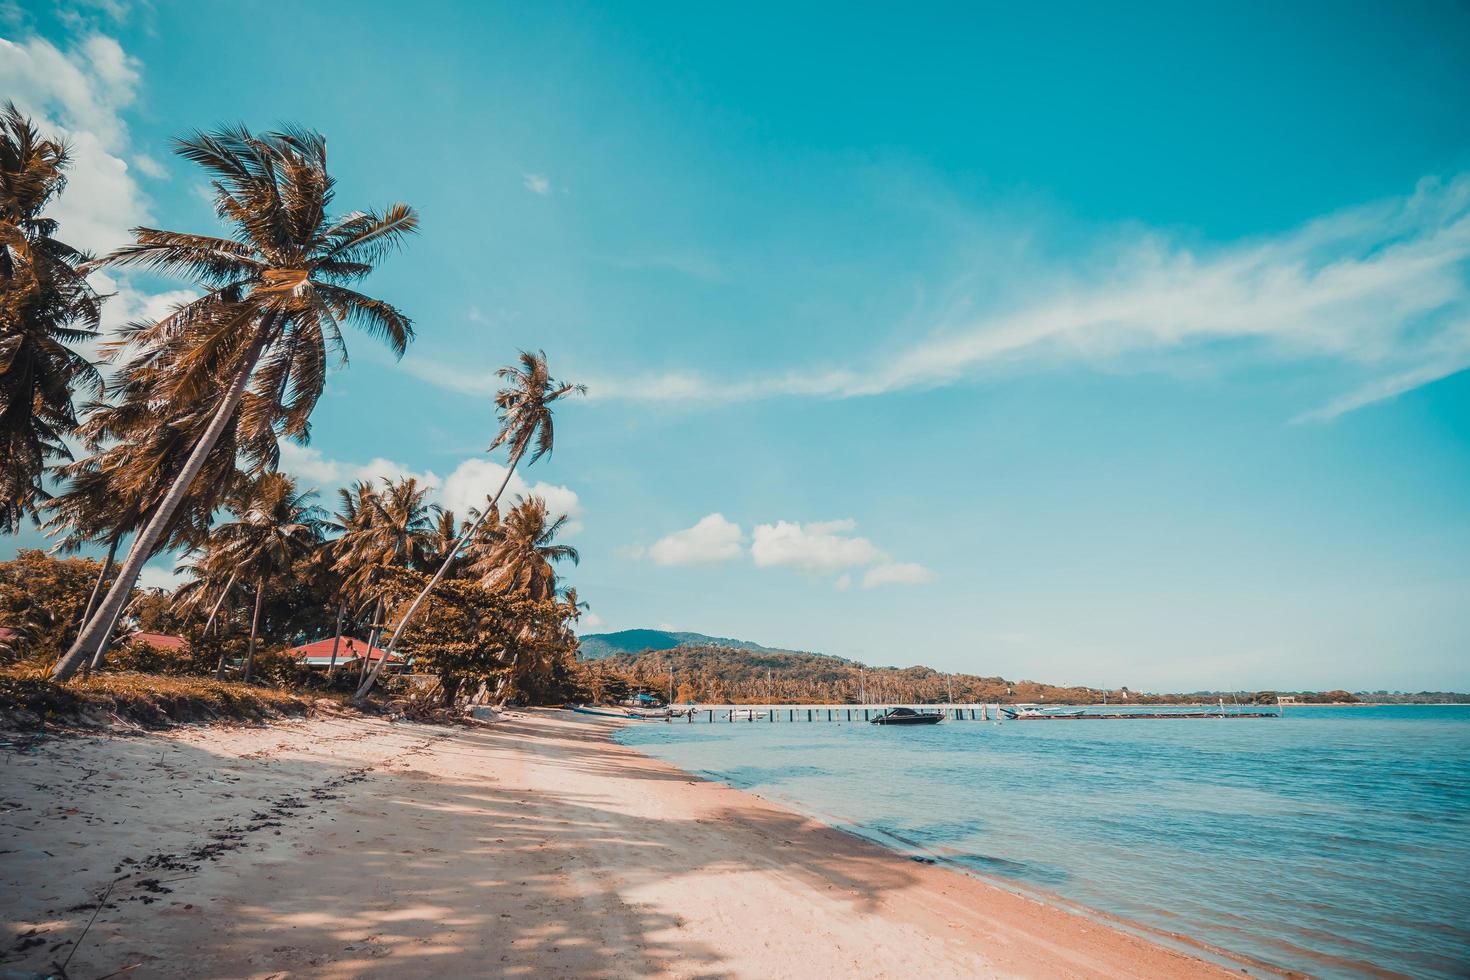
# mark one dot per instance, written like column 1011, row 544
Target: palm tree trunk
column 229, row 584
column 101, row 654
column 254, row 628
column 219, row 668
column 92, row 635
column 367, row 685
column 337, row 640
column 372, row 640
column 101, row 577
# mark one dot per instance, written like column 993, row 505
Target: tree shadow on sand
column 332, row 869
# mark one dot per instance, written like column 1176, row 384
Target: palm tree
column 442, row 540
column 521, row 561
column 276, row 292
column 348, row 557
column 210, row 579
column 383, row 528
column 45, row 304
column 523, row 407
column 133, row 455
column 276, row 527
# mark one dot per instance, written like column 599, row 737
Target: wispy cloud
column 1382, row 289
column 896, row 573
column 1448, row 354
column 537, row 183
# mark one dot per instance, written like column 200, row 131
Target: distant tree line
column 730, row 675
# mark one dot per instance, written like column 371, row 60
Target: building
column 162, row 642
column 349, row 652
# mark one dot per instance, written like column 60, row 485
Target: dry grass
column 29, row 700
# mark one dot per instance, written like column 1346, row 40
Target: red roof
column 158, row 641
column 348, row 649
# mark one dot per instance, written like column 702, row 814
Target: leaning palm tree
column 45, row 306
column 523, row 407
column 133, row 454
column 275, row 293
column 277, row 526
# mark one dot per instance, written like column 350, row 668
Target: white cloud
column 897, row 573
column 537, row 183
column 473, row 480
column 1377, row 290
column 451, row 377
column 588, row 622
column 817, row 547
column 127, row 304
column 157, row 576
column 80, row 94
column 149, row 167
column 468, row 484
column 1451, row 356
column 309, row 465
column 821, row 546
column 713, row 538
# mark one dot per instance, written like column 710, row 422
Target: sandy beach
column 347, row 847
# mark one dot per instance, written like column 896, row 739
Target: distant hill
column 597, row 646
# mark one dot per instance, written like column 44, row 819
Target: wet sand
column 349, row 847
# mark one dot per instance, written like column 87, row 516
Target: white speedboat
column 749, row 714
column 1020, row 712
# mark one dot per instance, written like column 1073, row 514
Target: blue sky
column 1055, row 342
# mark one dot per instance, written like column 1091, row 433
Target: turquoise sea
column 1335, row 841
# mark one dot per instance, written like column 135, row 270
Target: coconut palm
column 383, row 528
column 45, row 305
column 522, row 560
column 111, row 492
column 347, row 556
column 442, row 539
column 523, row 407
column 275, row 293
column 276, row 526
column 521, row 563
column 210, row 579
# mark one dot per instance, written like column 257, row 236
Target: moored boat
column 748, row 714
column 907, row 716
column 1023, row 711
column 605, row 712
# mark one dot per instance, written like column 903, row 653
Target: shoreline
column 344, row 847
column 913, row 851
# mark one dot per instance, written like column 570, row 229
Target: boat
column 748, row 714
column 907, row 716
column 1024, row 711
column 602, row 711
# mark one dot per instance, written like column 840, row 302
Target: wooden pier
column 770, row 714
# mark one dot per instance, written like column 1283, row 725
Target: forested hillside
column 715, row 673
